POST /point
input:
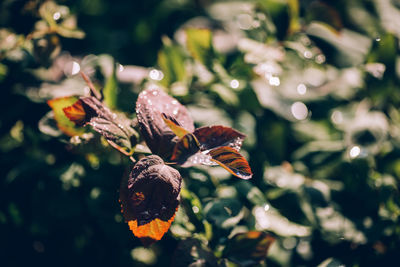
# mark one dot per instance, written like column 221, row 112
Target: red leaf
column 187, row 146
column 150, row 104
column 232, row 161
column 150, row 197
column 214, row 136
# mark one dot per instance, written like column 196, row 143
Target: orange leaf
column 76, row 113
column 151, row 232
column 63, row 123
column 232, row 161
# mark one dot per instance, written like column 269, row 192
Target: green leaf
column 252, row 193
column 110, row 90
column 191, row 252
column 224, row 213
column 199, row 44
column 172, row 63
column 63, row 123
column 247, row 249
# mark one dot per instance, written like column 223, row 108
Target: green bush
column 314, row 86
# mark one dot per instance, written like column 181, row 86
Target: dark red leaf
column 150, row 105
column 187, row 146
column 232, row 161
column 150, row 198
column 214, row 136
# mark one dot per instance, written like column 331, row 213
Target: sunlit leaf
column 247, row 249
column 350, row 48
column 149, row 198
column 65, row 125
column 76, row 113
column 150, row 232
column 174, row 125
column 172, row 63
column 110, row 90
column 214, row 136
column 232, row 161
column 224, row 213
column 199, row 44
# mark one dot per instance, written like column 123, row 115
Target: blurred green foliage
column 313, row 84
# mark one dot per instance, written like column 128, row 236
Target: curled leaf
column 149, row 198
column 232, row 161
column 150, row 105
column 214, row 136
column 114, row 127
column 76, row 113
column 63, row 123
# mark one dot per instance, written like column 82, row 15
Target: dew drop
column 299, row 110
column 57, row 16
column 354, row 152
column 307, row 54
column 274, row 81
column 75, row 68
column 195, row 209
column 234, row 83
column 266, row 207
column 156, row 75
column 320, row 59
column 120, row 68
column 301, row 89
column 337, row 117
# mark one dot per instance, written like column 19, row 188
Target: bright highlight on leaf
column 232, row 161
column 199, row 44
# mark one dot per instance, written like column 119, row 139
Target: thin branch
column 117, row 147
column 93, row 89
